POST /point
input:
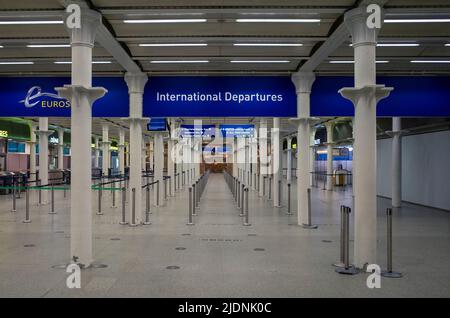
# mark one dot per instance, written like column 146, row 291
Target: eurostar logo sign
column 35, row 96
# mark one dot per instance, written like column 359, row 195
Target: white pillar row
column 105, row 149
column 60, row 148
column 365, row 96
column 121, row 147
column 289, row 160
column 97, row 152
column 312, row 152
column 159, row 165
column 329, row 126
column 136, row 84
column 32, row 143
column 263, row 160
column 396, row 170
column 82, row 95
column 303, row 82
column 276, row 162
column 44, row 133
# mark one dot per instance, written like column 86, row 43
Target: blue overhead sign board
column 157, row 124
column 231, row 131
column 226, row 96
column 36, row 97
column 197, row 130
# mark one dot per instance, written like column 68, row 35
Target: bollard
column 27, row 206
column 198, row 193
column 289, row 200
column 270, row 188
column 165, row 189
column 389, row 272
column 242, row 200
column 157, row 192
column 133, row 207
column 348, row 269
column 194, row 195
column 309, row 225
column 279, row 194
column 52, row 211
column 246, row 223
column 342, row 242
column 190, row 218
column 113, row 197
column 40, row 193
column 238, row 194
column 99, row 212
column 123, row 206
column 14, row 197
column 147, row 206
column 264, row 186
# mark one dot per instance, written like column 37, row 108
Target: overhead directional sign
column 231, row 131
column 197, row 130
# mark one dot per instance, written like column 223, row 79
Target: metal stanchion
column 238, row 194
column 342, row 242
column 170, row 186
column 40, row 192
column 133, row 207
column 348, row 269
column 194, row 196
column 27, row 206
column 289, row 200
column 389, row 272
column 264, row 186
column 113, row 196
column 246, row 222
column 14, row 196
column 309, row 225
column 270, row 188
column 190, row 218
column 279, row 194
column 123, row 206
column 198, row 192
column 147, row 206
column 157, row 192
column 52, row 211
column 242, row 200
column 165, row 189
column 99, row 211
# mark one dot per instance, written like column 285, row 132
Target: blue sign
column 231, row 131
column 157, row 124
column 421, row 96
column 216, row 149
column 226, row 96
column 197, row 130
column 36, row 97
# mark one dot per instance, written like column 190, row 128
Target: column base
column 309, row 226
column 391, row 274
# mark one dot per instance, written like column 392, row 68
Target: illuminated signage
column 197, row 130
column 231, row 131
column 54, row 140
column 3, row 134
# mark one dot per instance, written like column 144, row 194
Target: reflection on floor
column 218, row 257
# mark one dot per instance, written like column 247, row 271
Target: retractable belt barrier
column 195, row 194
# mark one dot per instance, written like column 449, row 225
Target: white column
column 121, row 147
column 97, row 153
column 276, row 162
column 396, row 173
column 44, row 133
column 136, row 84
column 105, row 148
column 32, row 142
column 364, row 96
column 159, row 165
column 60, row 148
column 329, row 144
column 289, row 160
column 82, row 95
column 263, row 162
column 144, row 153
column 303, row 83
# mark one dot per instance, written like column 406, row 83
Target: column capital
column 77, row 92
column 90, row 21
column 356, row 22
column 136, row 82
column 378, row 92
column 309, row 120
column 303, row 81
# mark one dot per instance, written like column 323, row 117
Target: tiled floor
column 219, row 259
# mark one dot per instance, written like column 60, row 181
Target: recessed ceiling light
column 166, row 21
column 352, row 62
column 431, row 61
column 448, row 44
column 267, row 44
column 93, row 62
column 416, row 20
column 172, row 44
column 1, row 46
column 47, row 45
column 16, row 63
column 259, row 61
column 30, row 22
column 279, row 20
column 178, row 61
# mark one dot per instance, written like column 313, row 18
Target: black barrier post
column 342, row 240
column 123, row 222
column 289, row 200
column 190, row 218
column 348, row 269
column 246, row 219
column 99, row 212
column 27, row 206
column 133, row 207
column 147, row 206
column 309, row 225
column 389, row 272
column 52, row 211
